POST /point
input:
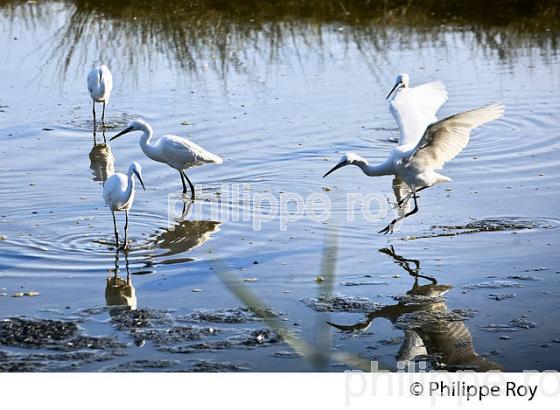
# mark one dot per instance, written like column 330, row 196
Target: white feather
column 445, row 139
column 100, row 84
column 415, row 108
column 180, row 153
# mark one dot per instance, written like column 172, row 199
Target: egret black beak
column 339, row 165
column 125, row 131
column 139, row 178
column 397, row 85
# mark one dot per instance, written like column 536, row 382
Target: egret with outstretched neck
column 100, row 85
column 179, row 153
column 422, row 151
column 118, row 193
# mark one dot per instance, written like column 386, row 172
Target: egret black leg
column 125, row 244
column 190, row 184
column 389, row 228
column 404, row 200
column 94, row 121
column 103, row 115
column 183, row 181
column 407, row 197
column 116, row 231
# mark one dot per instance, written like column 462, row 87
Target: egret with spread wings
column 424, row 145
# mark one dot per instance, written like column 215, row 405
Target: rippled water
column 280, row 120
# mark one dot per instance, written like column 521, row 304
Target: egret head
column 136, row 169
column 401, row 81
column 347, row 159
column 136, row 125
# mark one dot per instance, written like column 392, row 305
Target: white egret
column 416, row 158
column 100, row 84
column 179, row 153
column 118, row 193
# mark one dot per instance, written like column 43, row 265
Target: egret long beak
column 125, row 131
column 140, row 179
column 339, row 165
column 397, row 85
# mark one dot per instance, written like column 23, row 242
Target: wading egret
column 118, row 193
column 179, row 153
column 415, row 163
column 100, row 84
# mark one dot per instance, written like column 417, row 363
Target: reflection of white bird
column 102, row 162
column 100, row 84
column 179, row 153
column 118, row 193
column 120, row 292
column 422, row 150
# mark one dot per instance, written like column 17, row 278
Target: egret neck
column 384, row 168
column 149, row 148
column 131, row 183
column 377, row 170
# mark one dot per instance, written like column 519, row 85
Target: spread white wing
column 445, row 139
column 415, row 108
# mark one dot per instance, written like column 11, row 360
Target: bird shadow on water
column 432, row 333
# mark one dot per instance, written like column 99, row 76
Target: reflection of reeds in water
column 236, row 34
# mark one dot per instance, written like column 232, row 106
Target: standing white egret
column 415, row 163
column 100, row 84
column 179, row 153
column 118, row 193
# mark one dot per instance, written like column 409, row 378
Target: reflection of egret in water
column 102, row 162
column 430, row 330
column 118, row 291
column 183, row 237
